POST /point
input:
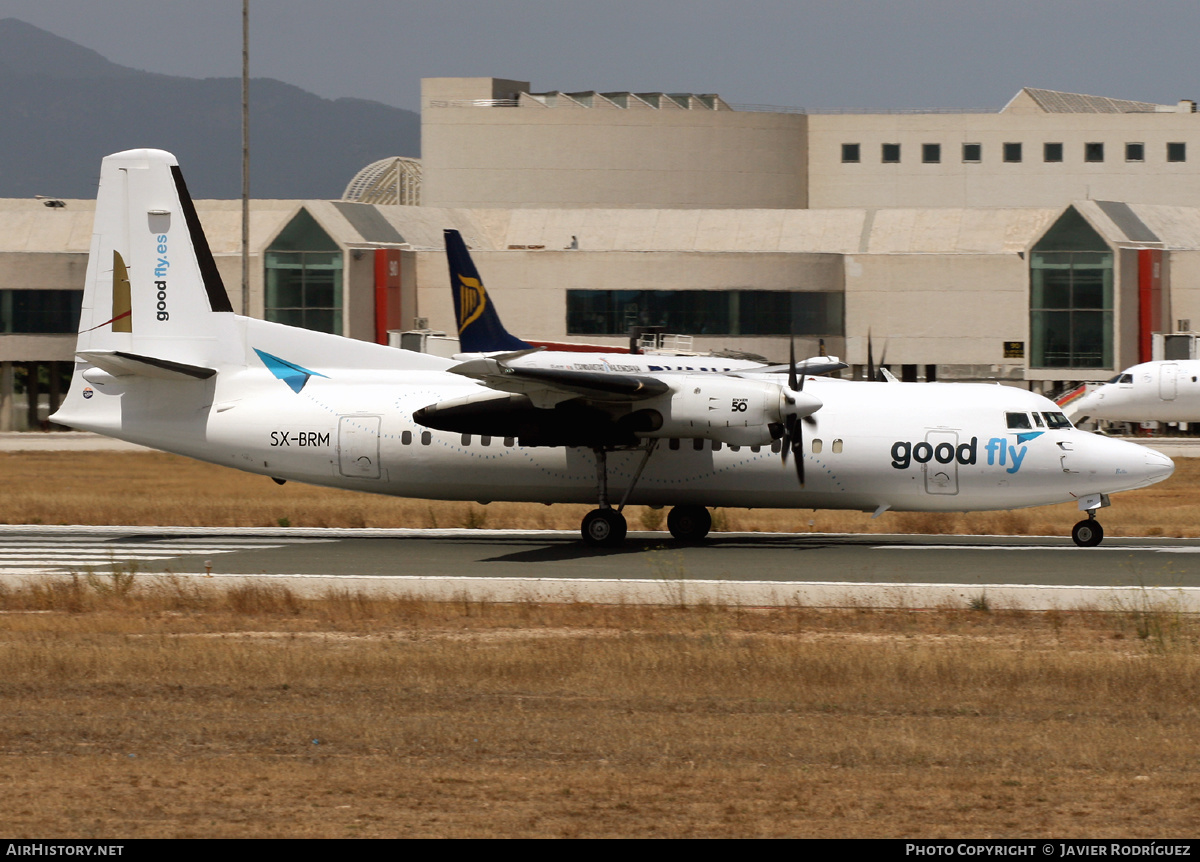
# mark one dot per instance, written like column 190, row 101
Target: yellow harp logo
column 472, row 300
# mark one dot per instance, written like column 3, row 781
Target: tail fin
column 479, row 327
column 152, row 294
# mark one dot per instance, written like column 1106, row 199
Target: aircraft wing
column 549, row 386
column 815, row 366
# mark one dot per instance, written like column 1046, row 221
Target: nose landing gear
column 1088, row 533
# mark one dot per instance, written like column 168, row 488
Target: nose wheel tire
column 603, row 528
column 689, row 523
column 1087, row 533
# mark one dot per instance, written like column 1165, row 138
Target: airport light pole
column 245, row 158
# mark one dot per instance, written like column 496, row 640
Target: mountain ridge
column 66, row 107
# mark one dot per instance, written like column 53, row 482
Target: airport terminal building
column 1042, row 244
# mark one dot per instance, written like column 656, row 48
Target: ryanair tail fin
column 479, row 326
column 152, row 295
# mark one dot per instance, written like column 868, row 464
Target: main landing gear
column 605, row 526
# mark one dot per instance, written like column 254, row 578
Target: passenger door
column 358, row 446
column 941, row 478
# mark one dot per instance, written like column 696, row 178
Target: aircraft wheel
column 689, row 523
column 1087, row 533
column 603, row 528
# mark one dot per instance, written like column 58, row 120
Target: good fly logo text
column 160, row 277
column 998, row 450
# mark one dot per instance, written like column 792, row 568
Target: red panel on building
column 1150, row 300
column 387, row 292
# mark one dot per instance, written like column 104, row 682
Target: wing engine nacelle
column 733, row 410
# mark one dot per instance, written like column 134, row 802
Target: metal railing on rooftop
column 737, row 106
column 781, row 109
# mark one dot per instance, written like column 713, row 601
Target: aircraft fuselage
column 929, row 447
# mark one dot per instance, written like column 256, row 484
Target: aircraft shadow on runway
column 571, row 549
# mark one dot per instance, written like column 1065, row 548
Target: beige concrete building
column 1039, row 245
column 490, row 143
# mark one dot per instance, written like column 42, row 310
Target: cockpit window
column 1037, row 420
column 1057, row 420
column 1018, row 420
column 1122, row 378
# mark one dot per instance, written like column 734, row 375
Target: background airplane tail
column 479, row 327
column 152, row 288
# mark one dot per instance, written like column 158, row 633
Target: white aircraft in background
column 1160, row 391
column 482, row 336
column 163, row 361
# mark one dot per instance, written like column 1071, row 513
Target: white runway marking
column 56, row 554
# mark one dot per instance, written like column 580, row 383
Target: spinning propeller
column 795, row 401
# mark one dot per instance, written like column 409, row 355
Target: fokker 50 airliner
column 163, row 361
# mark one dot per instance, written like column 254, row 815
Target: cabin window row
column 1014, row 152
column 674, row 444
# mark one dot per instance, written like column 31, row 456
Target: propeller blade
column 883, row 361
column 798, row 450
column 792, row 364
column 870, row 358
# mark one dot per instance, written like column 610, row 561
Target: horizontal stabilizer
column 118, row 363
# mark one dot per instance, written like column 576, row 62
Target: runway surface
column 734, row 568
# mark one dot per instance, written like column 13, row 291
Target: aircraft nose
column 1135, row 466
column 1085, row 403
column 1157, row 466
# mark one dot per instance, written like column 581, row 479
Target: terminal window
column 972, row 152
column 891, row 154
column 40, row 311
column 1052, row 152
column 1177, row 152
column 1093, row 152
column 1012, row 152
column 303, row 277
column 1071, row 301
column 850, row 153
column 931, row 154
column 1135, row 152
column 705, row 312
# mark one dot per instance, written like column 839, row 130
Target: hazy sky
column 803, row 53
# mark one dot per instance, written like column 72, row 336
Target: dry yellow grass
column 160, row 710
column 126, row 488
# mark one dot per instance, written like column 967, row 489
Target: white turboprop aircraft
column 1160, row 391
column 163, row 361
column 482, row 335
